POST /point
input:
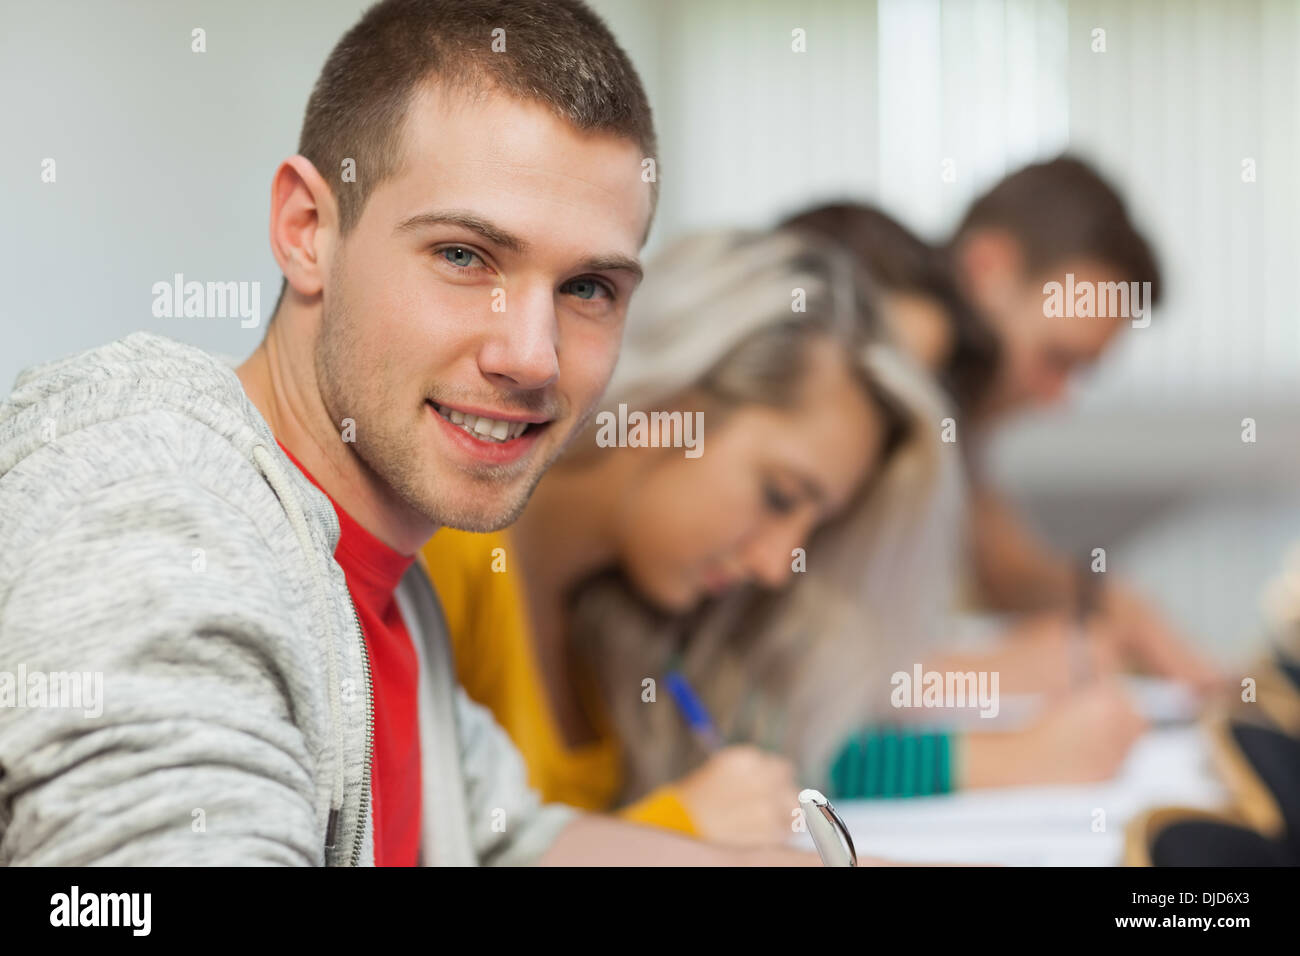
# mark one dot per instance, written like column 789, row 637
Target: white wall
column 163, row 160
column 165, row 157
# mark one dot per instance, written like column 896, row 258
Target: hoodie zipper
column 283, row 489
column 370, row 737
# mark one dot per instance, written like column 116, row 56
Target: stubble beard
column 397, row 454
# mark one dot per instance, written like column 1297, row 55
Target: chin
column 668, row 600
column 480, row 505
column 467, row 508
column 478, row 519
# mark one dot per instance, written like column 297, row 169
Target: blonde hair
column 799, row 668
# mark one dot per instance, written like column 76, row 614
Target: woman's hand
column 742, row 796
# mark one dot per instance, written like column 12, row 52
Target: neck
column 280, row 380
column 574, row 505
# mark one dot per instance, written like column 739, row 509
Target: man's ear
column 304, row 218
column 990, row 265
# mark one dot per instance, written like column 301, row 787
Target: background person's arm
column 593, row 840
column 1017, row 571
column 1036, row 653
column 1081, row 739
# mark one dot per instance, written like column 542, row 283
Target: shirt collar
column 377, row 566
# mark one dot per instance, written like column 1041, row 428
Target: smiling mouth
column 490, row 430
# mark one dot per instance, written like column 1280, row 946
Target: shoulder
column 142, row 439
column 152, row 468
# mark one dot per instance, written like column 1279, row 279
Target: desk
column 1039, row 826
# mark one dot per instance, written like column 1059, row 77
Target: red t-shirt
column 372, row 570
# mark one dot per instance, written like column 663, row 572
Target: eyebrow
column 467, row 220
column 613, row 262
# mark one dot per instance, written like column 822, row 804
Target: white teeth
column 484, row 429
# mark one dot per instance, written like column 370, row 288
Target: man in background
column 1061, row 223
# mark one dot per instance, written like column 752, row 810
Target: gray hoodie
column 182, row 674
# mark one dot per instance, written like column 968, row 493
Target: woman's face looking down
column 690, row 528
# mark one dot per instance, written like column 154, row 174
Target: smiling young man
column 233, row 551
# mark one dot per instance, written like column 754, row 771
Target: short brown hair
column 557, row 52
column 1064, row 209
column 898, row 260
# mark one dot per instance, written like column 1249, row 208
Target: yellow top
column 492, row 642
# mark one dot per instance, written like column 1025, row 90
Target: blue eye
column 586, row 288
column 458, row 256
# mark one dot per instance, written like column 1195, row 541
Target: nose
column 1051, row 386
column 1055, row 391
column 769, row 555
column 522, row 351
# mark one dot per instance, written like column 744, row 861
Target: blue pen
column 693, row 711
